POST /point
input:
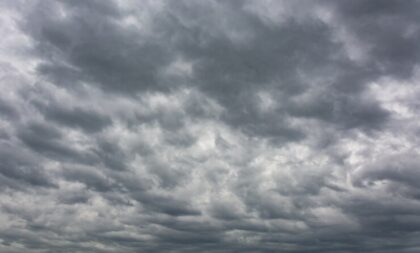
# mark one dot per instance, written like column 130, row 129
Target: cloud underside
column 209, row 126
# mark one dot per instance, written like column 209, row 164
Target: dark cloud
column 7, row 110
column 90, row 45
column 19, row 168
column 166, row 205
column 77, row 117
column 388, row 31
column 209, row 126
column 50, row 142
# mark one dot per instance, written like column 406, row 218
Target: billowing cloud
column 209, row 126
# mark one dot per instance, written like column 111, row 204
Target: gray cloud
column 209, row 126
column 78, row 117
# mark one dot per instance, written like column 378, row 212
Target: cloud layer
column 209, row 126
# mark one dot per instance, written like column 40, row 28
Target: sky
column 208, row 126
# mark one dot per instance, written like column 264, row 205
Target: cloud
column 209, row 126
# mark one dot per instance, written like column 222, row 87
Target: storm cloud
column 209, row 126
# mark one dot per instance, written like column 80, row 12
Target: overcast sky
column 209, row 126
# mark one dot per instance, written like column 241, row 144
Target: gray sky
column 209, row 126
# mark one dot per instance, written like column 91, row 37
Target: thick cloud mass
column 209, row 126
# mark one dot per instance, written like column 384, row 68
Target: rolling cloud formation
column 209, row 126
